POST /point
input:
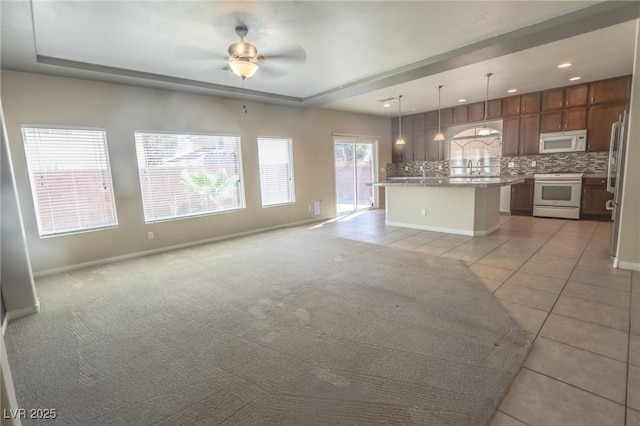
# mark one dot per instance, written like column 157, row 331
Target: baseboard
column 633, row 266
column 445, row 230
column 19, row 313
column 135, row 255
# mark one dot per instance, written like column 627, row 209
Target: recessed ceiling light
column 512, row 90
column 565, row 65
column 574, row 78
column 386, row 105
column 462, row 100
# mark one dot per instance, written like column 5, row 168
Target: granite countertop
column 473, row 182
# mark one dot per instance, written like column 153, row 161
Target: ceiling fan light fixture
column 243, row 67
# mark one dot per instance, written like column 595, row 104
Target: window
column 473, row 153
column 184, row 175
column 275, row 156
column 70, row 179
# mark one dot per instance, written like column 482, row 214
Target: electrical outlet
column 150, row 235
column 440, row 167
column 510, row 164
column 534, row 163
column 421, row 168
column 406, row 168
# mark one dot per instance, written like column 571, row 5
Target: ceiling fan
column 244, row 59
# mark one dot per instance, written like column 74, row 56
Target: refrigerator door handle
column 615, row 126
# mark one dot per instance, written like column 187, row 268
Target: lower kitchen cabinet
column 522, row 198
column 594, row 199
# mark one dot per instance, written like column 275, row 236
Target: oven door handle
column 557, row 182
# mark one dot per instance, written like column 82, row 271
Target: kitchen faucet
column 470, row 166
column 479, row 170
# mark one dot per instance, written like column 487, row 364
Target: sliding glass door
column 356, row 163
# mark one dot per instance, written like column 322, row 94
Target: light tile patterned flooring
column 556, row 280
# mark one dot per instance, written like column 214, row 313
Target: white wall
column 629, row 239
column 47, row 100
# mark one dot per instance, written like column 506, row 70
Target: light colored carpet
column 287, row 327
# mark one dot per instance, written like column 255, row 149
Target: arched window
column 473, row 154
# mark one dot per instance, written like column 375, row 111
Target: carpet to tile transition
column 277, row 328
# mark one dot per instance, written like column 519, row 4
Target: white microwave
column 574, row 141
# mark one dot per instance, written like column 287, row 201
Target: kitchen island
column 455, row 205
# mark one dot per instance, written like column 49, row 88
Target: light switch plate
column 510, row 164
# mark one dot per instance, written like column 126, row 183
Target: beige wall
column 629, row 242
column 46, row 100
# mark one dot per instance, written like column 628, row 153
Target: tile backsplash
column 570, row 162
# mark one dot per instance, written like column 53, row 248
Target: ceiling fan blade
column 289, row 54
column 269, row 71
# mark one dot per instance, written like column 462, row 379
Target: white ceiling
column 357, row 52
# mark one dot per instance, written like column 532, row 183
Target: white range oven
column 557, row 195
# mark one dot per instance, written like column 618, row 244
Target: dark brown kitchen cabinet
column 553, row 99
column 529, row 134
column 594, row 199
column 511, row 136
column 419, row 121
column 434, row 148
column 495, row 109
column 511, row 105
column 530, row 103
column 563, row 120
column 402, row 153
column 599, row 122
column 476, row 112
column 419, row 145
column 461, row 114
column 446, row 118
column 565, row 97
column 577, row 95
column 522, row 198
column 611, row 90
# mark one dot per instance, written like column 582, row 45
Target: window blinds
column 70, row 179
column 185, row 175
column 275, row 157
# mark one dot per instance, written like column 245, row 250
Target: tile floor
column 555, row 278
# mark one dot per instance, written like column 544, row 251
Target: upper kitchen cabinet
column 511, row 106
column 446, row 118
column 612, row 90
column 575, row 96
column 434, row 147
column 563, row 120
column 476, row 112
column 565, row 97
column 553, row 99
column 599, row 122
column 419, row 121
column 530, row 103
column 461, row 114
column 495, row 109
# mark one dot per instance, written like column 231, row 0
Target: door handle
column 609, row 205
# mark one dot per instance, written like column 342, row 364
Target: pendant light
column 485, row 131
column 439, row 136
column 400, row 140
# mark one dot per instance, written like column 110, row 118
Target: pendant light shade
column 400, row 140
column 485, row 131
column 439, row 136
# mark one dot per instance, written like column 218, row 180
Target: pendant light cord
column 486, row 101
column 400, row 116
column 439, row 87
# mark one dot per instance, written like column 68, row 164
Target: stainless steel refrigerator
column 615, row 176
